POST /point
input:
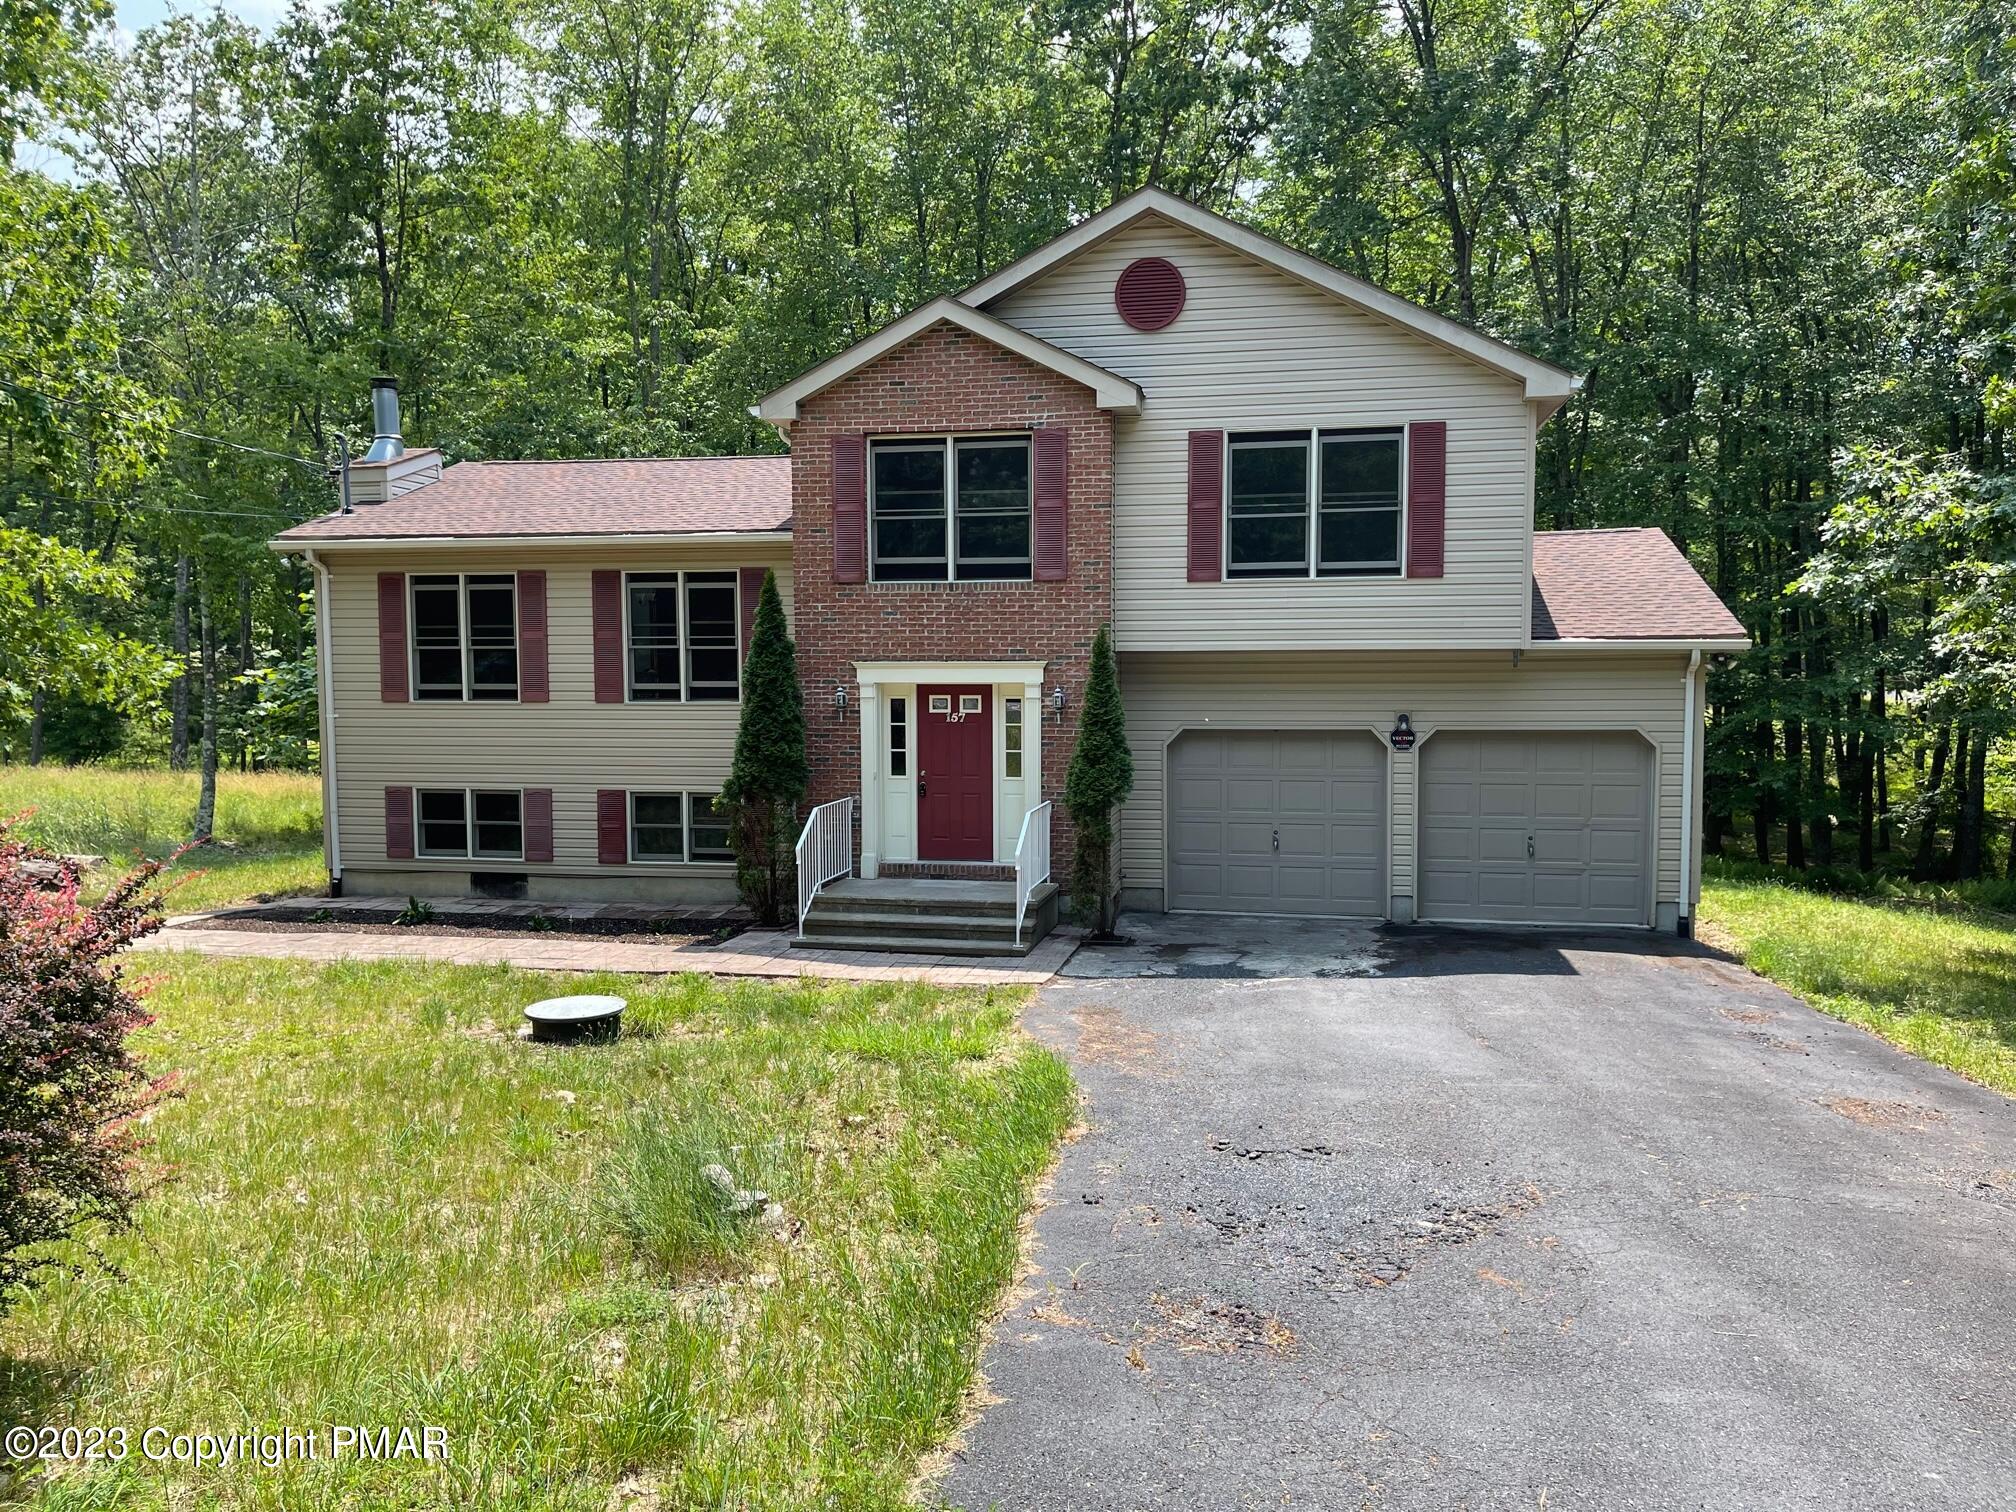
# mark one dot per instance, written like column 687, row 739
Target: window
column 677, row 828
column 465, row 635
column 697, row 611
column 988, row 518
column 1012, row 736
column 657, row 827
column 471, row 822
column 1323, row 503
column 899, row 737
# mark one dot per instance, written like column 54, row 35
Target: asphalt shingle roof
column 631, row 496
column 1622, row 585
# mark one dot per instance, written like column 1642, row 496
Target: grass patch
column 269, row 825
column 388, row 1209
column 1928, row 974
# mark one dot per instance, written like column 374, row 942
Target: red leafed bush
column 70, row 1090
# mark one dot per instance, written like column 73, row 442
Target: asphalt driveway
column 1435, row 1218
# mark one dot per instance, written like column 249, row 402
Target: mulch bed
column 673, row 932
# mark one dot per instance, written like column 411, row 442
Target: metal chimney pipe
column 387, row 443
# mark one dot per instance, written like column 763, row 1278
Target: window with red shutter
column 532, row 681
column 399, row 824
column 538, row 824
column 850, row 509
column 612, row 826
column 1427, row 496
column 605, row 595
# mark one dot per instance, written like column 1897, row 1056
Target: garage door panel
column 1323, row 793
column 1582, row 799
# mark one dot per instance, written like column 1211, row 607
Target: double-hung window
column 479, row 823
column 1315, row 503
column 465, row 635
column 683, row 636
column 950, row 508
column 678, row 827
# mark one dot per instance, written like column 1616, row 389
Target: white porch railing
column 825, row 851
column 1032, row 860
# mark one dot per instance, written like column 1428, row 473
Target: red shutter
column 532, row 684
column 392, row 638
column 398, row 824
column 612, row 826
column 1427, row 495
column 1052, row 561
column 606, row 599
column 751, row 590
column 538, row 824
column 850, row 509
column 1207, row 504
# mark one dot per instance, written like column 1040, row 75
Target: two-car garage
column 1510, row 826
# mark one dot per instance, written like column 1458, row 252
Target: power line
column 321, row 468
column 223, row 514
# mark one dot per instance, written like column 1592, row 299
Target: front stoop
column 926, row 916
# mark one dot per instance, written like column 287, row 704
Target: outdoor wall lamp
column 1057, row 700
column 839, row 700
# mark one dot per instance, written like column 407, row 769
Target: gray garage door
column 1536, row 828
column 1278, row 822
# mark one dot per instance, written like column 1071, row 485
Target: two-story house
column 1358, row 683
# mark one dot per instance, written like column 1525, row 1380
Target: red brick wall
column 949, row 380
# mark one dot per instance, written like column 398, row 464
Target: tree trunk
column 1971, row 822
column 1761, row 811
column 1865, row 795
column 1799, row 802
column 1823, row 820
column 206, row 792
column 1928, row 823
column 178, row 691
column 36, row 702
column 1956, row 781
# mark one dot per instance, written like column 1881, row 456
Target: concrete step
column 943, row 926
column 914, row 945
column 858, row 897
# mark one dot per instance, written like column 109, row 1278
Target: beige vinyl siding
column 1256, row 350
column 1556, row 690
column 571, row 744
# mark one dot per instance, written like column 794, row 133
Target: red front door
column 955, row 774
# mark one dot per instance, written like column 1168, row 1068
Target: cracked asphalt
column 1439, row 1218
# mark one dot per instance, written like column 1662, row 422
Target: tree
column 768, row 779
column 1100, row 778
column 70, row 1089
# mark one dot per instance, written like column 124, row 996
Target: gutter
column 325, row 689
column 311, row 545
column 1689, row 796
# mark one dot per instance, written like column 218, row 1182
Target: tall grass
column 387, row 1208
column 1934, row 976
column 268, row 825
column 1989, row 894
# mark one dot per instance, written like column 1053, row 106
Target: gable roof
column 1541, row 379
column 1623, row 585
column 625, row 497
column 1110, row 390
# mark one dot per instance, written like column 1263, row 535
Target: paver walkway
column 761, row 953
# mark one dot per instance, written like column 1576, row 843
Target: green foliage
column 1099, row 779
column 767, row 779
column 417, row 911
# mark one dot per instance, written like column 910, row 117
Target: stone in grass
column 740, row 1201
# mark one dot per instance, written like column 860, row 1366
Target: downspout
column 1689, row 798
column 332, row 838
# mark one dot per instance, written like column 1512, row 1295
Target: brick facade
column 947, row 380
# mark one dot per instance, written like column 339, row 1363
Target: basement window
column 458, row 823
column 465, row 636
column 674, row 828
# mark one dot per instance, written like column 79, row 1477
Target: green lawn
column 1940, row 982
column 386, row 1209
column 269, row 826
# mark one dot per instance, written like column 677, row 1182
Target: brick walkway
column 756, row 953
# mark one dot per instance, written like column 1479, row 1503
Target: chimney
column 387, row 443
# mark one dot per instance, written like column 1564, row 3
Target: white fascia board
column 1730, row 643
column 1110, row 390
column 1541, row 380
column 477, row 543
column 872, row 674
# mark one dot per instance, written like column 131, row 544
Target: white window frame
column 685, row 635
column 685, row 797
column 1312, row 504
column 464, row 650
column 949, row 442
column 468, row 851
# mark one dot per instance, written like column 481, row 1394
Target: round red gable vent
column 1149, row 293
